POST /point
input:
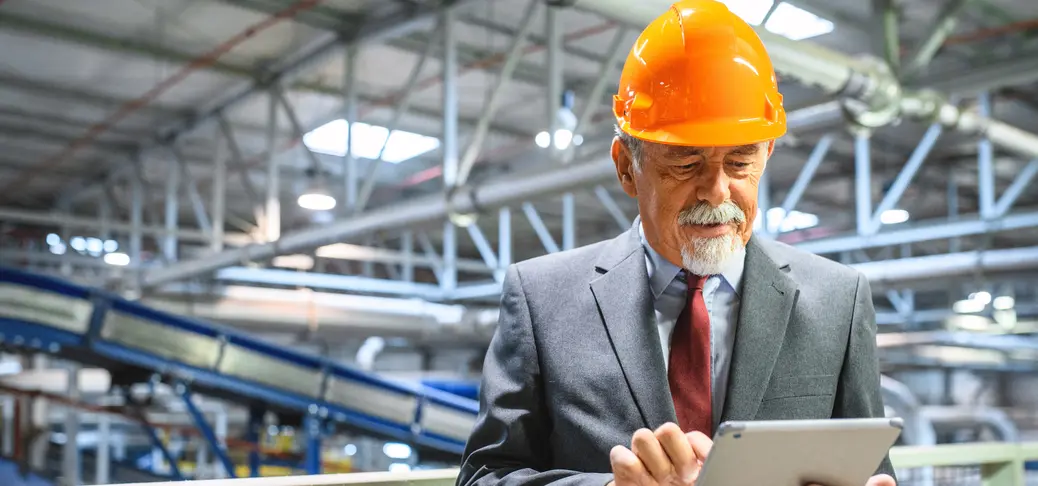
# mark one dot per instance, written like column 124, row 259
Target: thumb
column 881, row 480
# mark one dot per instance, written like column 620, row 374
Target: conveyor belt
column 97, row 328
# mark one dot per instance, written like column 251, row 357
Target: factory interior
column 267, row 238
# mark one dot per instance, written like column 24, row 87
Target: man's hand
column 666, row 457
column 878, row 480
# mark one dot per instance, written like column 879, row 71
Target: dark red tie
column 689, row 368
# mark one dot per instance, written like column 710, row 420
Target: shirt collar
column 662, row 272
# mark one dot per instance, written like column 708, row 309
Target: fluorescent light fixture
column 117, row 259
column 316, row 201
column 982, row 297
column 297, row 262
column 797, row 23
column 1003, row 302
column 53, row 239
column 893, row 216
column 794, row 221
column 787, row 20
column 111, row 246
column 968, row 306
column 330, row 139
column 543, row 139
column 752, row 11
column 79, row 243
column 396, row 450
column 58, row 249
column 95, row 245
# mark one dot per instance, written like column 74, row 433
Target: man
column 614, row 363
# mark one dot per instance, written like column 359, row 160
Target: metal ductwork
column 333, row 315
column 949, row 265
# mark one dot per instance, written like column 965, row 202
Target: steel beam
column 807, row 173
column 930, row 230
column 904, row 178
column 172, row 206
column 611, row 207
column 1021, row 183
column 494, row 194
column 478, row 137
column 985, row 163
column 219, row 194
column 942, row 27
column 404, row 99
column 272, row 204
column 540, row 228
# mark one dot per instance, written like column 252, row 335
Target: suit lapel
column 767, row 298
column 621, row 289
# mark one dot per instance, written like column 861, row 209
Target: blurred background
column 266, row 237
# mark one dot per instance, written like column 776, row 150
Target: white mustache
column 704, row 213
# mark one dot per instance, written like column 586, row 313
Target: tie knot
column 695, row 282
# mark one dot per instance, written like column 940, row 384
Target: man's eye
column 739, row 165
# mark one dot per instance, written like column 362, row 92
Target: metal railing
column 988, row 464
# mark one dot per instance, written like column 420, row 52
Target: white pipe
column 949, row 265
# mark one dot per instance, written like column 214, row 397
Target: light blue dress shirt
column 721, row 293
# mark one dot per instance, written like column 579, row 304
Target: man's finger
column 701, row 444
column 881, row 480
column 627, row 468
column 649, row 450
column 680, row 452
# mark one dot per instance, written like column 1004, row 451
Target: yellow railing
column 1000, row 464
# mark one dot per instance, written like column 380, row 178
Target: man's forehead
column 686, row 151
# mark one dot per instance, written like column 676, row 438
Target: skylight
column 330, row 139
column 787, row 20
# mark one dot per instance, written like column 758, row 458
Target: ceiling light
column 349, row 450
column 58, row 249
column 982, row 297
column 563, row 138
column 316, row 201
column 117, row 259
column 79, row 243
column 893, row 216
column 53, row 239
column 396, row 450
column 94, row 245
column 1003, row 302
column 968, row 306
column 543, row 139
column 111, row 246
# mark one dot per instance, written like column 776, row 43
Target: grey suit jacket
column 575, row 366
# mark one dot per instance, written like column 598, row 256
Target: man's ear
column 771, row 148
column 624, row 167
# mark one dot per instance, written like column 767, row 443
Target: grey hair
column 634, row 145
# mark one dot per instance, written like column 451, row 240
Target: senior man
column 615, row 362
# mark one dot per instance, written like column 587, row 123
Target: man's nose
column 713, row 188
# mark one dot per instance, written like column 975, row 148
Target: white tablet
column 836, row 452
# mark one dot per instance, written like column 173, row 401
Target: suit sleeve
column 510, row 442
column 858, row 394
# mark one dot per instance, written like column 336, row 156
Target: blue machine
column 44, row 314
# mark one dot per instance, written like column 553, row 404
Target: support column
column 407, row 247
column 312, row 461
column 985, row 163
column 350, row 176
column 450, row 98
column 862, row 180
column 172, row 210
column 70, row 466
column 219, row 203
column 272, row 211
column 504, row 242
column 136, row 224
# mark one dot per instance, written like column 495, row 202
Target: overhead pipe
column 949, row 265
column 871, row 94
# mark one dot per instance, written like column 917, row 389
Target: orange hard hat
column 699, row 75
